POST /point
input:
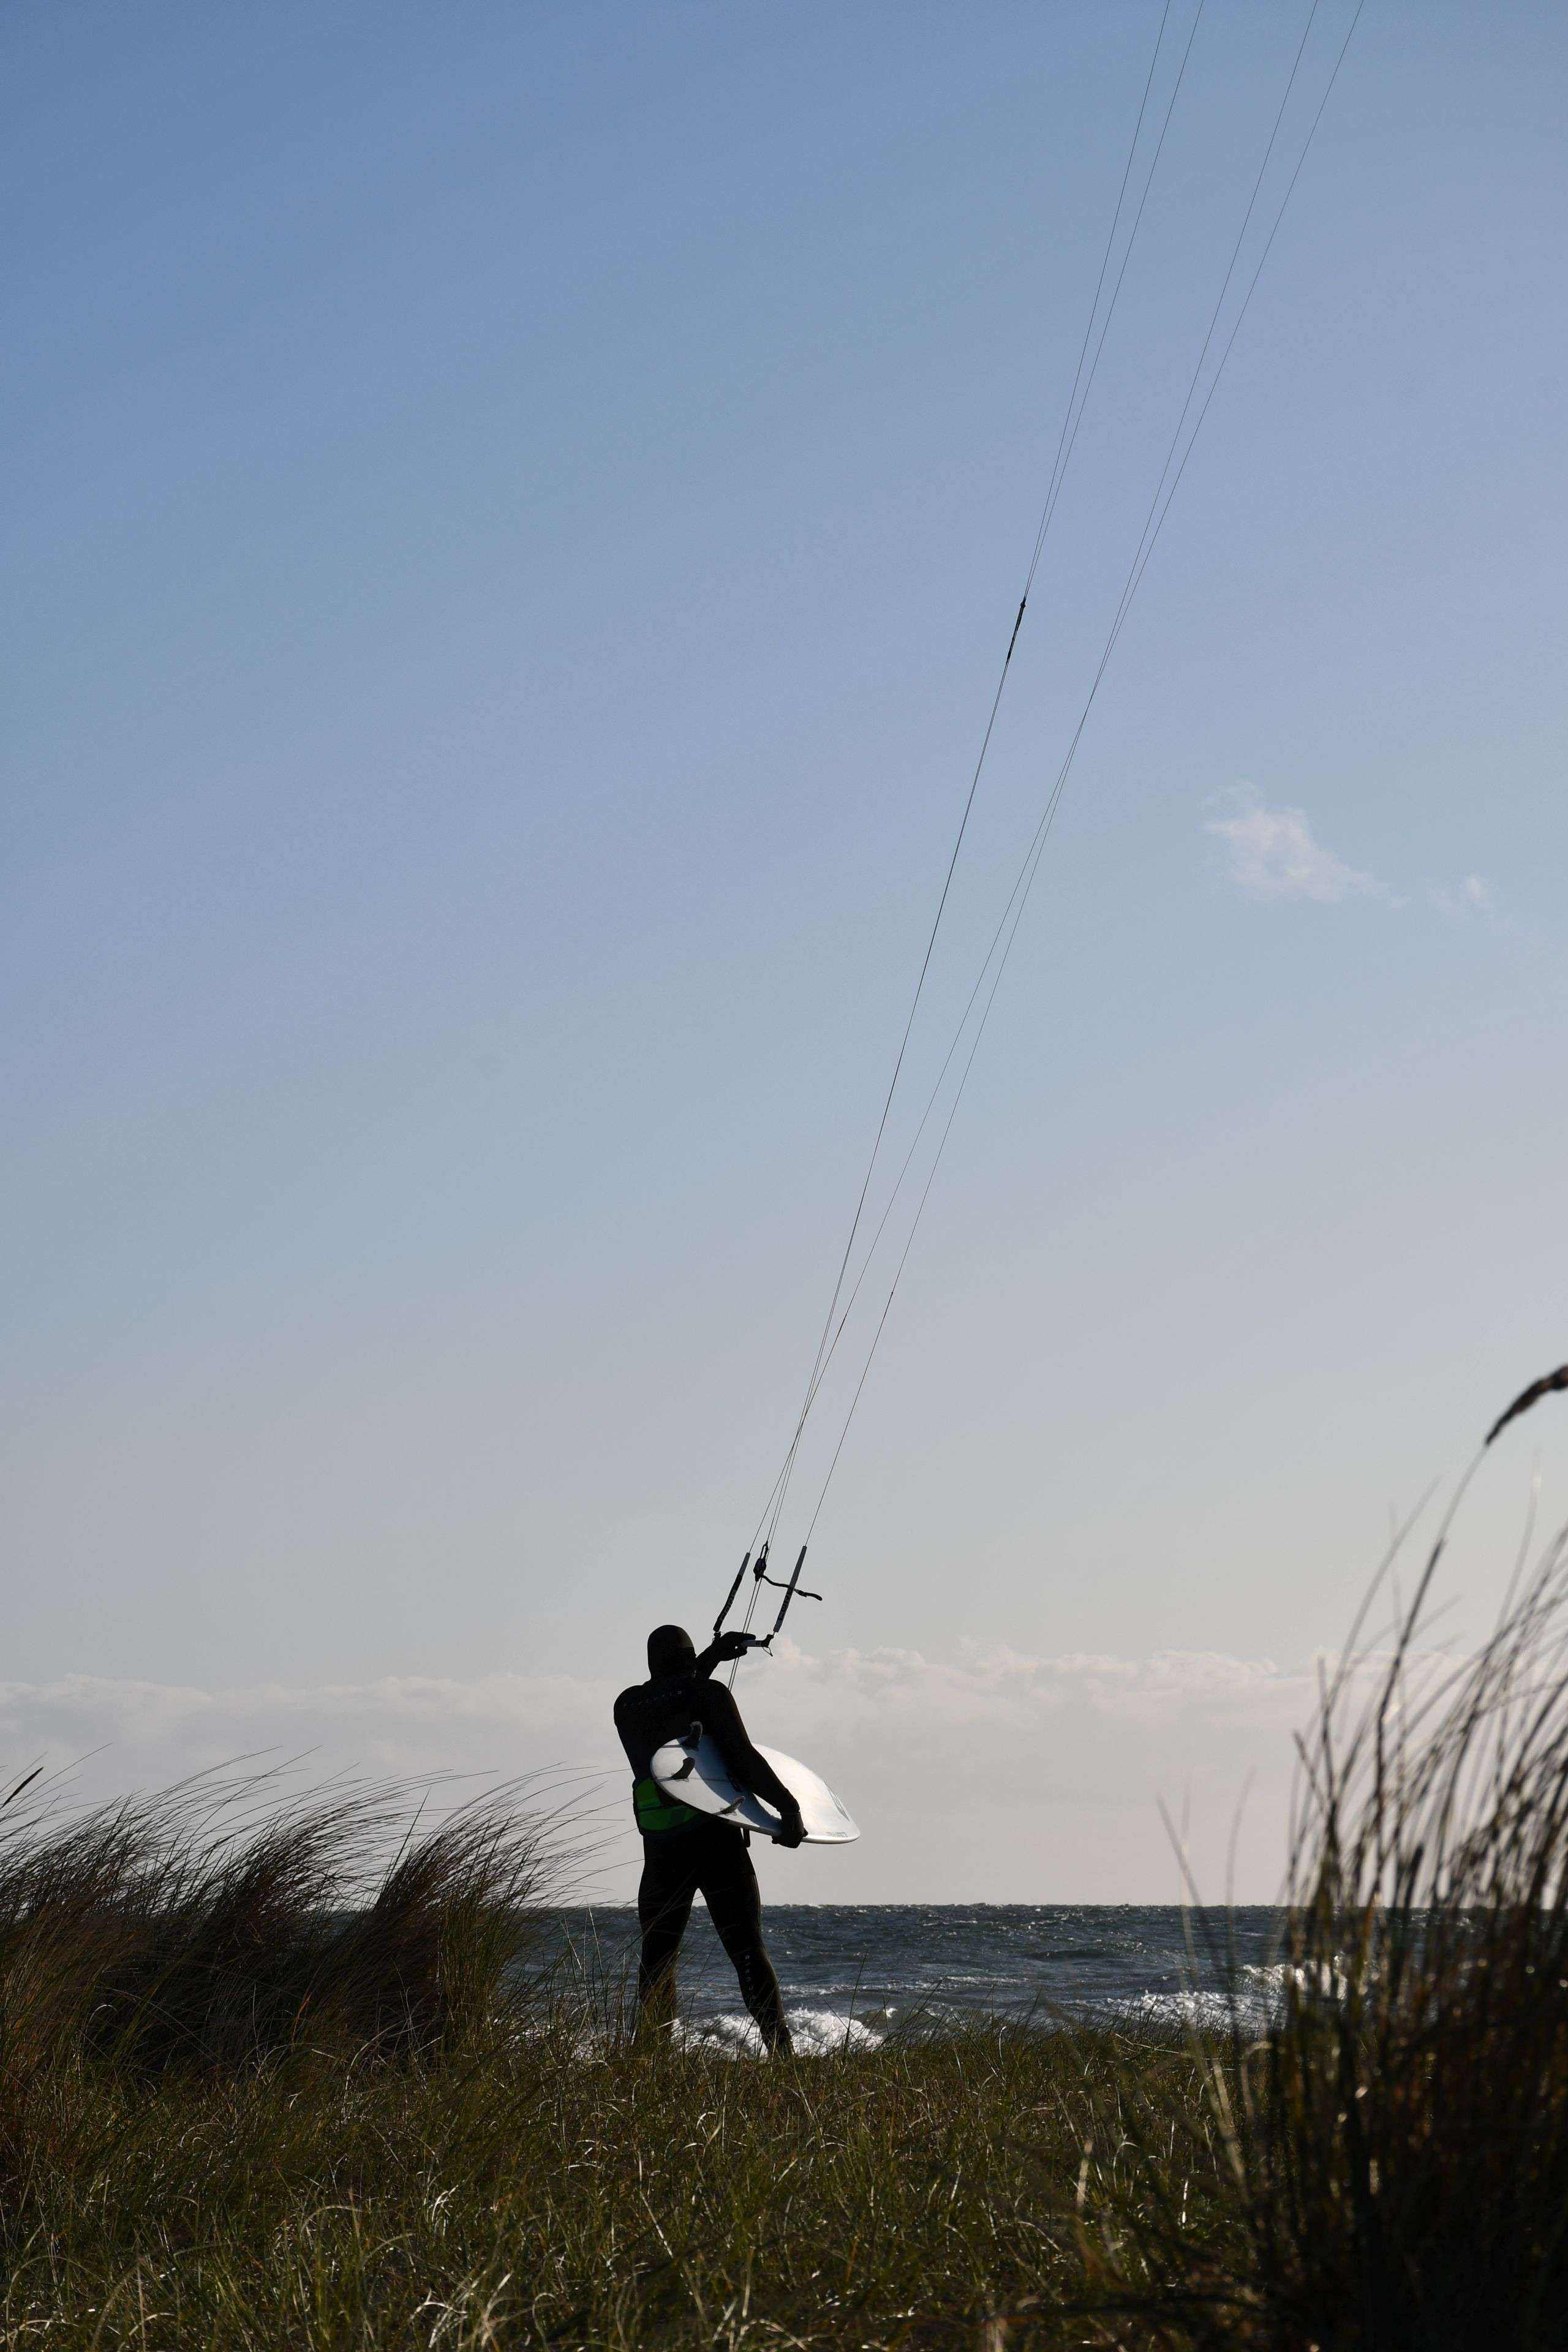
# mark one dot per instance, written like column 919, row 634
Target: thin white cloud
column 982, row 1774
column 142, row 1730
column 1472, row 896
column 417, row 1723
column 1270, row 853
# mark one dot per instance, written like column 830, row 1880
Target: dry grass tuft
column 225, row 1921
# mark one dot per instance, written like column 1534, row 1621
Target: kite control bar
column 793, row 1591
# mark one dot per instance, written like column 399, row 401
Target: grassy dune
column 271, row 2076
column 257, row 2089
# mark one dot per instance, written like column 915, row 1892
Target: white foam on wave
column 1258, row 2002
column 1324, row 1980
column 816, row 2033
column 1208, row 2011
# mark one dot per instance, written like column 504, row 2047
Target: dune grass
column 1387, row 2165
column 269, row 2076
column 526, row 2197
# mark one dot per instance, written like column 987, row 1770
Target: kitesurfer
column 686, row 1853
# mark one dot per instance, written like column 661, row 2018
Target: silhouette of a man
column 687, row 1854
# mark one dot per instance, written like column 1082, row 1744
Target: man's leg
column 734, row 1903
column 664, row 1905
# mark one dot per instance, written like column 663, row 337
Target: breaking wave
column 818, row 2034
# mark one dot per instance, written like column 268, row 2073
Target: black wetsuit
column 687, row 1854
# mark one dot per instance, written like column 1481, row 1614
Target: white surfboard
column 693, row 1771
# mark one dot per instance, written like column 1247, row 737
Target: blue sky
column 516, row 515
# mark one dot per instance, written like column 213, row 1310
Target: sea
column 853, row 1973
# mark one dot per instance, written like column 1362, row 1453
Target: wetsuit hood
column 670, row 1651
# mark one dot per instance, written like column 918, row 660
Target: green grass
column 271, row 2074
column 528, row 2196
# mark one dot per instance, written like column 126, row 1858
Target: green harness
column 656, row 1812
